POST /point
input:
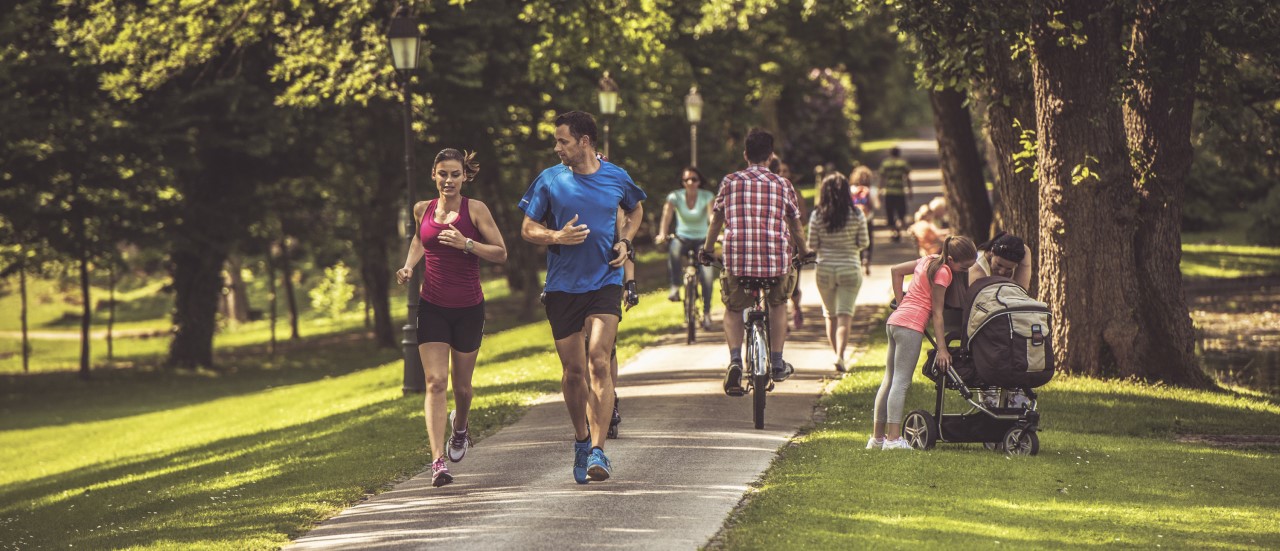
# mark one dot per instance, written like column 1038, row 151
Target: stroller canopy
column 1008, row 333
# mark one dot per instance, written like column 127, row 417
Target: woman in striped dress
column 838, row 232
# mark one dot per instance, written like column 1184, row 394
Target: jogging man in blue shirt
column 585, row 254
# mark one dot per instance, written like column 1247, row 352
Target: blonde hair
column 954, row 246
column 861, row 176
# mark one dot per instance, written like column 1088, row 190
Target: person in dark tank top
column 454, row 233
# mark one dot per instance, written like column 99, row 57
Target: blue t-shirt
column 556, row 196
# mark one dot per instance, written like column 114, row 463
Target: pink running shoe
column 440, row 473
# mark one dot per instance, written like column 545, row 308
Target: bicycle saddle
column 757, row 282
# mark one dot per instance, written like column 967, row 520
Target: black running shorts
column 567, row 312
column 460, row 328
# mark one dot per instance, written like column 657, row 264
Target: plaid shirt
column 754, row 203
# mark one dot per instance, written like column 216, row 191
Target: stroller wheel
column 920, row 430
column 1021, row 442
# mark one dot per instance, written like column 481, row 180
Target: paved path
column 686, row 455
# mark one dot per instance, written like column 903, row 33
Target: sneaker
column 840, row 365
column 706, row 321
column 615, row 420
column 733, row 380
column 874, row 443
column 674, row 295
column 440, row 473
column 782, row 372
column 896, row 444
column 580, row 452
column 459, row 442
column 598, row 466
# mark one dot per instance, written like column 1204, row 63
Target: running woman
column 919, row 305
column 585, row 255
column 454, row 233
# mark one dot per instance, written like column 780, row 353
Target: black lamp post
column 693, row 108
column 405, row 43
column 608, row 105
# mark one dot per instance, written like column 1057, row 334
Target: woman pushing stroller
column 917, row 306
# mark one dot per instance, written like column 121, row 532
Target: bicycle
column 755, row 319
column 692, row 315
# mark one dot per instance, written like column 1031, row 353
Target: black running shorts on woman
column 461, row 328
column 567, row 312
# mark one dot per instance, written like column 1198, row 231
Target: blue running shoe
column 598, row 466
column 580, row 452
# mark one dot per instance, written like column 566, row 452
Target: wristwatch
column 470, row 246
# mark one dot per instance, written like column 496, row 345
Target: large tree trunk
column 197, row 287
column 1165, row 50
column 86, row 314
column 1011, row 112
column 286, row 272
column 962, row 181
column 1087, row 204
column 26, row 339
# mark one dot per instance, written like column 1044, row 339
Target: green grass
column 1229, row 261
column 248, row 460
column 1109, row 473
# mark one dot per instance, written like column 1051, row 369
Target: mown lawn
column 243, row 460
column 1110, row 472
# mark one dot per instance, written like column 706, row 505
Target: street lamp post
column 405, row 43
column 693, row 108
column 608, row 105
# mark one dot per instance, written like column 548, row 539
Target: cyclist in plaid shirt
column 758, row 211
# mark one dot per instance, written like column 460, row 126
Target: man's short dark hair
column 895, row 152
column 759, row 145
column 580, row 124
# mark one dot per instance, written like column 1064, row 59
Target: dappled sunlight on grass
column 1109, row 472
column 249, row 457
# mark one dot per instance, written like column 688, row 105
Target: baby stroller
column 1004, row 352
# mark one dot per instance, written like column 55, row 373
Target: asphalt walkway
column 686, row 455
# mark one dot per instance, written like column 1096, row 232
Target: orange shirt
column 917, row 304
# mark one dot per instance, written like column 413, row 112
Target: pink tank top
column 452, row 277
column 917, row 304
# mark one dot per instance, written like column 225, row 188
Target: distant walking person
column 917, row 307
column 838, row 233
column 690, row 207
column 581, row 197
column 864, row 198
column 895, row 190
column 454, row 233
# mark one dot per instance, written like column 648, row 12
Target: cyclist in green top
column 895, row 188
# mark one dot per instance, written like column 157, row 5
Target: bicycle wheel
column 758, row 347
column 691, row 308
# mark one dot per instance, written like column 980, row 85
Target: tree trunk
column 524, row 260
column 286, row 272
column 26, row 339
column 111, row 310
column 86, row 314
column 962, row 181
column 377, row 280
column 1011, row 112
column 238, row 298
column 1087, row 203
column 197, row 287
column 271, row 290
column 1165, row 50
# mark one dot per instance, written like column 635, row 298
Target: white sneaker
column 874, row 443
column 896, row 444
column 459, row 441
